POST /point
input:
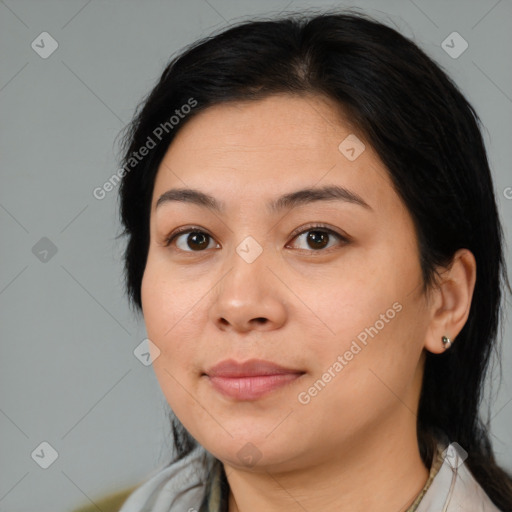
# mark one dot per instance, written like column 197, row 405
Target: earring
column 447, row 342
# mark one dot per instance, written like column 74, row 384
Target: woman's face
column 338, row 307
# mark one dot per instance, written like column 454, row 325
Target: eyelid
column 344, row 238
column 320, row 226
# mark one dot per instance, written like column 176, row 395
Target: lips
column 251, row 379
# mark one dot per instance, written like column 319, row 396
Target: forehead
column 279, row 123
column 256, row 150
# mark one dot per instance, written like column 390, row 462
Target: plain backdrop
column 69, row 377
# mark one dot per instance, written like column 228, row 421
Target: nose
column 249, row 296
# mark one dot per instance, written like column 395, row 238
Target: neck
column 383, row 471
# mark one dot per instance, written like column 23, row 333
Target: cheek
column 371, row 312
column 166, row 301
column 366, row 372
column 351, row 299
column 166, row 313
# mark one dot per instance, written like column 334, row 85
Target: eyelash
column 316, row 227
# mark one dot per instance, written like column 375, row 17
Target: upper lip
column 250, row 368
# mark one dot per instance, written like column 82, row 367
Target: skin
column 353, row 447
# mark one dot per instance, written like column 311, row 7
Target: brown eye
column 197, row 240
column 191, row 240
column 316, row 239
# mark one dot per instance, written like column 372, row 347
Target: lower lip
column 251, row 388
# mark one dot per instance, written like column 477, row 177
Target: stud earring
column 447, row 342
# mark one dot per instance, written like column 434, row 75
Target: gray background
column 67, row 368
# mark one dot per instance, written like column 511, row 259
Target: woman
column 314, row 243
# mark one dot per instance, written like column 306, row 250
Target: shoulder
column 468, row 494
column 454, row 489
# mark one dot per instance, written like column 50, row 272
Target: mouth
column 250, row 380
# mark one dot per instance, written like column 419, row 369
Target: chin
column 253, row 451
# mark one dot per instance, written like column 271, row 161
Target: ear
column 449, row 302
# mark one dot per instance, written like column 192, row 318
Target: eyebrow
column 290, row 200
